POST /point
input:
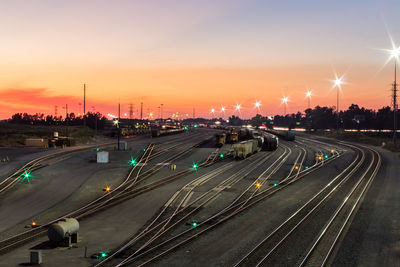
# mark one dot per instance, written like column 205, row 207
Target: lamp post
column 395, row 53
column 338, row 84
column 308, row 95
column 285, row 99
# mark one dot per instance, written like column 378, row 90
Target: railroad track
column 121, row 193
column 214, row 220
column 37, row 163
column 163, row 226
column 322, row 211
column 43, row 161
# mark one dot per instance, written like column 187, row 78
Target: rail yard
column 201, row 197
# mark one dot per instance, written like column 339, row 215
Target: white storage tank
column 102, row 157
column 60, row 230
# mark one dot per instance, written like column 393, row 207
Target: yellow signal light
column 33, row 224
column 258, row 185
column 296, row 167
column 332, row 150
column 107, row 188
column 320, row 158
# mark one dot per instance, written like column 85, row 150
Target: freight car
column 246, row 148
column 161, row 132
column 270, row 142
column 287, row 135
column 220, row 139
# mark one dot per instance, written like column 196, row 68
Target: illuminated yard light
column 237, row 108
column 223, row 109
column 212, row 110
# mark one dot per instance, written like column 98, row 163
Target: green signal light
column 275, row 184
column 221, row 155
column 97, row 149
column 195, row 126
column 194, row 224
column 306, row 167
column 297, row 123
column 26, row 176
column 144, row 149
column 195, row 166
column 326, row 156
column 132, row 162
column 271, row 122
column 103, row 254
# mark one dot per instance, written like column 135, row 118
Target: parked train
column 232, row 137
column 246, row 148
column 271, row 142
column 155, row 132
column 287, row 135
column 220, row 139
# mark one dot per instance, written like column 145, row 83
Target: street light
column 285, row 100
column 338, row 84
column 237, row 108
column 395, row 53
column 257, row 104
column 308, row 95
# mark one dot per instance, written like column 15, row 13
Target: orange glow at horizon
column 182, row 89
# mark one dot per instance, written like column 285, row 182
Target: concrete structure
column 37, row 142
column 36, row 257
column 123, row 145
column 102, row 157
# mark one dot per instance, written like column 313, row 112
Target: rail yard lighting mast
column 395, row 53
column 285, row 100
column 308, row 95
column 338, row 84
column 237, row 107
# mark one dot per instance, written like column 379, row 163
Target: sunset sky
column 194, row 54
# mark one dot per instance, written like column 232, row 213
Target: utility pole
column 194, row 112
column 141, row 110
column 119, row 118
column 95, row 119
column 66, row 119
column 162, row 111
column 337, row 109
column 84, row 105
column 130, row 111
column 395, row 106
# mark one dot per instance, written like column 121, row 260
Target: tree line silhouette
column 93, row 119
